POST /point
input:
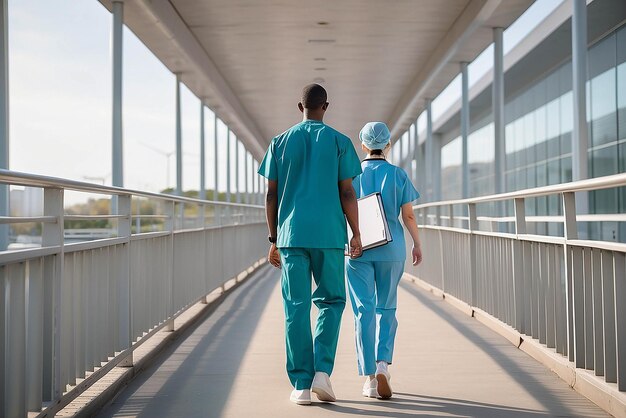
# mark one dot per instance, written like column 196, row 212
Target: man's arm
column 350, row 208
column 271, row 215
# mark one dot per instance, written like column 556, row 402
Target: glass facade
column 538, row 134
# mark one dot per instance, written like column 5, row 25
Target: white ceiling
column 379, row 59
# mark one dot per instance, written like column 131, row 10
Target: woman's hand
column 417, row 254
column 274, row 256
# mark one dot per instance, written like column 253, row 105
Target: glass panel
column 553, row 128
column 622, row 169
column 566, row 122
column 621, row 99
column 566, row 169
column 603, row 108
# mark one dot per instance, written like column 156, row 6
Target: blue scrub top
column 308, row 161
column 396, row 189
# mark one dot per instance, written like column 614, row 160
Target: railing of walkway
column 566, row 292
column 76, row 310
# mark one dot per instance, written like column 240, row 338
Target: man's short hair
column 313, row 96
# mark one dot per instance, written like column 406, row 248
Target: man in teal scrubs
column 309, row 169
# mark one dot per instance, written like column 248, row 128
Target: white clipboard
column 372, row 223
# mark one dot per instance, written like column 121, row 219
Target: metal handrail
column 36, row 180
column 597, row 183
column 99, row 299
column 562, row 289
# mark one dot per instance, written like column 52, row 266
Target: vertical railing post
column 571, row 232
column 518, row 264
column 619, row 268
column 124, row 301
column 170, row 209
column 52, row 235
column 473, row 227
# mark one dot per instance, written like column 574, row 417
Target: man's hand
column 274, row 256
column 417, row 255
column 356, row 250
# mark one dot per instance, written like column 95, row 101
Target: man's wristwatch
column 271, row 239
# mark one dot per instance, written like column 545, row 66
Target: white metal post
column 216, row 170
column 436, row 167
column 465, row 173
column 429, row 151
column 170, row 212
column 246, row 162
column 228, row 165
column 123, row 280
column 202, row 156
column 237, row 194
column 117, row 173
column 570, row 233
column 498, row 108
column 52, row 235
column 416, row 154
column 4, row 125
column 179, row 142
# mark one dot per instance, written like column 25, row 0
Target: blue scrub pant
column 307, row 354
column 373, row 287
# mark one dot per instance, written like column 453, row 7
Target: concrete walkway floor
column 446, row 365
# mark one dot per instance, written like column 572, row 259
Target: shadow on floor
column 200, row 367
column 564, row 403
column 404, row 405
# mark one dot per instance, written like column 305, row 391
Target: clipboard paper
column 372, row 222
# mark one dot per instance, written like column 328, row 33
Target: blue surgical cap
column 375, row 135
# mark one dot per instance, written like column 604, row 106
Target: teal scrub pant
column 373, row 287
column 307, row 354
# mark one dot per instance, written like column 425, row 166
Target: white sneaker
column 383, row 377
column 301, row 397
column 370, row 388
column 322, row 388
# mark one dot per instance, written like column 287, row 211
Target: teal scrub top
column 308, row 161
column 396, row 189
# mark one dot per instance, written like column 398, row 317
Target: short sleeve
column 349, row 163
column 409, row 193
column 268, row 167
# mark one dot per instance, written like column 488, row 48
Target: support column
column 465, row 116
column 215, row 158
column 416, row 154
column 580, row 136
column 247, row 177
column 4, row 136
column 498, row 108
column 117, row 172
column 237, row 193
column 179, row 142
column 436, row 167
column 202, row 157
column 228, row 165
column 429, row 160
column 402, row 145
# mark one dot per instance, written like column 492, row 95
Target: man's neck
column 312, row 116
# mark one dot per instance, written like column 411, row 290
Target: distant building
column 26, row 201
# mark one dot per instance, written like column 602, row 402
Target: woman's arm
column 408, row 218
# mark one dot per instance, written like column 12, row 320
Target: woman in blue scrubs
column 374, row 277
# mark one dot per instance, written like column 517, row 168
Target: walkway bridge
column 95, row 314
column 518, row 308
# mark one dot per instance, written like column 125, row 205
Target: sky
column 60, row 98
column 60, row 102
